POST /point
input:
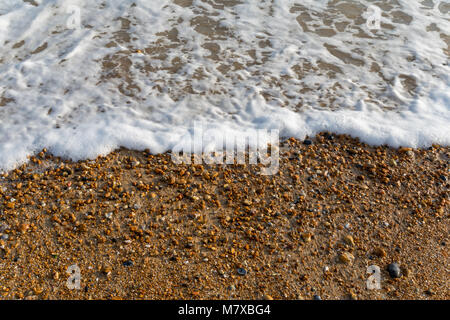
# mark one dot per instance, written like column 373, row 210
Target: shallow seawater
column 84, row 77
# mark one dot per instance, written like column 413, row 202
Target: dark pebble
column 128, row 263
column 307, row 142
column 443, row 178
column 241, row 271
column 66, row 171
column 316, row 297
column 394, row 270
column 429, row 292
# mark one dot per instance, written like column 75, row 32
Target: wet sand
column 140, row 227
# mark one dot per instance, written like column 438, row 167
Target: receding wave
column 140, row 73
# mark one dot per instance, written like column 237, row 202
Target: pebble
column 410, row 153
column 24, row 227
column 317, row 297
column 429, row 292
column 348, row 239
column 346, row 257
column 394, row 270
column 3, row 227
column 241, row 271
column 307, row 142
column 379, row 252
column 352, row 295
column 306, row 237
column 128, row 263
column 106, row 270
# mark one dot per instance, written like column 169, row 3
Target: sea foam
column 139, row 74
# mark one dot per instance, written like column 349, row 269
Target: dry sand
column 140, row 227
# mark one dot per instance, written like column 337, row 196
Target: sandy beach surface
column 137, row 226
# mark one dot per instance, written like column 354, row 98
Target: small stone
column 3, row 227
column 317, row 297
column 346, row 257
column 128, row 263
column 348, row 239
column 429, row 292
column 410, row 153
column 406, row 272
column 394, row 270
column 135, row 164
column 307, row 142
column 379, row 252
column 352, row 295
column 24, row 227
column 241, row 271
column 37, row 290
column 306, row 237
column 267, row 297
column 106, row 270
